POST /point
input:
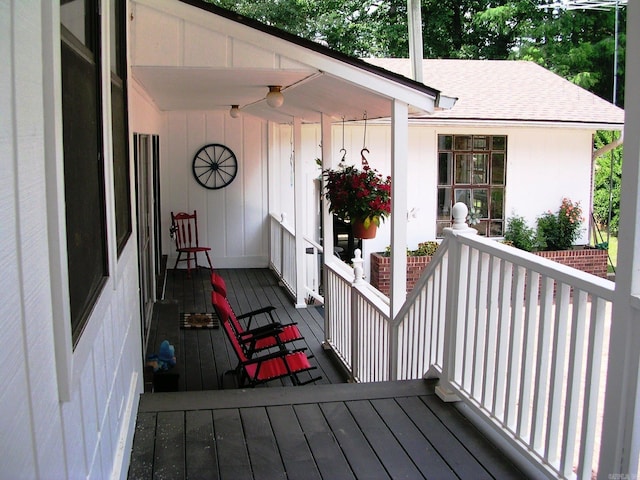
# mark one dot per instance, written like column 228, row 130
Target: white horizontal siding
column 41, row 436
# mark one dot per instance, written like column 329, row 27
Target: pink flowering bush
column 355, row 194
column 559, row 231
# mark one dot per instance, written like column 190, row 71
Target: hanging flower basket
column 358, row 196
column 364, row 229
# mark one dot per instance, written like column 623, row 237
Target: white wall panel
column 207, row 48
column 231, row 220
column 254, row 175
column 237, row 197
column 248, row 56
column 72, row 421
column 163, row 36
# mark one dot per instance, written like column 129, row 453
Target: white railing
column 357, row 323
column 313, row 270
column 520, row 340
column 419, row 325
column 524, row 343
column 282, row 259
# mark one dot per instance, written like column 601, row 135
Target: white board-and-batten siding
column 74, row 421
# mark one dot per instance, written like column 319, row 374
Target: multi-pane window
column 472, row 170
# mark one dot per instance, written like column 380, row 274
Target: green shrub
column 424, row 249
column 559, row 231
column 519, row 234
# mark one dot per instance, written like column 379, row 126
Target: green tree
column 578, row 44
column 607, row 178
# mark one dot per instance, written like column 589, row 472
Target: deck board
column 418, row 447
column 383, row 430
column 201, row 459
column 292, row 443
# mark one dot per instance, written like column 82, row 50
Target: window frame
column 87, row 232
column 471, row 161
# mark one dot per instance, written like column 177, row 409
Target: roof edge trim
column 313, row 46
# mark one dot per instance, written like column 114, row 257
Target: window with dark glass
column 83, row 158
column 121, row 178
column 472, row 170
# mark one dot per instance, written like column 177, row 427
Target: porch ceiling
column 307, row 93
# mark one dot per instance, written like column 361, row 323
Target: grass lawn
column 613, row 249
column 613, row 252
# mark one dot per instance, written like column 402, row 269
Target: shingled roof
column 511, row 92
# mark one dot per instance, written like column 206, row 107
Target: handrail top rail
column 437, row 256
column 282, row 223
column 313, row 243
column 373, row 295
column 584, row 281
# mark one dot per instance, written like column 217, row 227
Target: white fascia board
column 281, row 47
column 436, row 122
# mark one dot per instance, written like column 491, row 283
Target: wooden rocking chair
column 184, row 228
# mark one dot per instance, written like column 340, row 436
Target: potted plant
column 359, row 196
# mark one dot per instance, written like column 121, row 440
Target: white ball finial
column 459, row 213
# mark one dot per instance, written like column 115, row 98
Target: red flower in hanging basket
column 355, row 194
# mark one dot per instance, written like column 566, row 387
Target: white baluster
column 358, row 270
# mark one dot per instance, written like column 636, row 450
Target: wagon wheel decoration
column 214, row 166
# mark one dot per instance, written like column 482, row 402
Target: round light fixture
column 275, row 98
column 235, row 111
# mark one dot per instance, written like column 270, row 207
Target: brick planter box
column 588, row 260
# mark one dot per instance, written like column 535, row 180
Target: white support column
column 327, row 218
column 399, row 174
column 620, row 445
column 415, row 38
column 299, row 212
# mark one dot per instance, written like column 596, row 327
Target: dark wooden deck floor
column 204, row 354
column 374, row 431
column 328, row 431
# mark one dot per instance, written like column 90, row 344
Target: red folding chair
column 184, row 228
column 263, row 368
column 256, row 339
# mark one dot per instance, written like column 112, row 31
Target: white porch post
column 620, row 446
column 399, row 173
column 398, row 289
column 327, row 217
column 299, row 212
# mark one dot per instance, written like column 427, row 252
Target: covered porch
column 516, row 343
column 332, row 429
